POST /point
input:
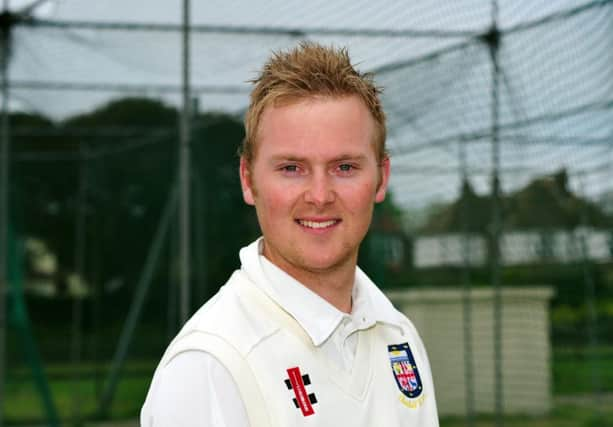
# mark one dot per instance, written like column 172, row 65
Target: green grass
column 23, row 403
column 562, row 416
column 578, row 372
column 574, row 406
column 55, row 370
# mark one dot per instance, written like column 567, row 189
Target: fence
column 500, row 127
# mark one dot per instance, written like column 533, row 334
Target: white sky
column 546, row 71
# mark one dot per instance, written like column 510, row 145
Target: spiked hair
column 307, row 71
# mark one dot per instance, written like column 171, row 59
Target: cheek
column 360, row 198
column 275, row 202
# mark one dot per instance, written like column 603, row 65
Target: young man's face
column 314, row 180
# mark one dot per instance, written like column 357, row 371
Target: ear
column 246, row 182
column 383, row 179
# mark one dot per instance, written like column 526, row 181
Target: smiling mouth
column 318, row 224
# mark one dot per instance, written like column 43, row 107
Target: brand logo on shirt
column 298, row 382
column 405, row 370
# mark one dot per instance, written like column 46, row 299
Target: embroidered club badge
column 405, row 370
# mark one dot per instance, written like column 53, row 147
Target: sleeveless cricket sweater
column 284, row 380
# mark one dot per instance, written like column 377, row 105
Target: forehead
column 317, row 126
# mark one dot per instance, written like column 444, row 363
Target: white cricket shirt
column 195, row 389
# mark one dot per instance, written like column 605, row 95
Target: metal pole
column 493, row 40
column 200, row 232
column 173, row 292
column 23, row 330
column 467, row 294
column 138, row 301
column 77, row 305
column 590, row 299
column 184, row 170
column 4, row 205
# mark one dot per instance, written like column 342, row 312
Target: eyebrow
column 294, row 158
column 288, row 157
column 359, row 157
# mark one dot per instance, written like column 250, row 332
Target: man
column 300, row 335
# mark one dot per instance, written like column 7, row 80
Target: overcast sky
column 432, row 105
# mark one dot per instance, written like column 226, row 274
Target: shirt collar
column 369, row 298
column 316, row 316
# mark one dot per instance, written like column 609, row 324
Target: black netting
column 94, row 97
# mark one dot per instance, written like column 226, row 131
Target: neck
column 335, row 287
column 335, row 284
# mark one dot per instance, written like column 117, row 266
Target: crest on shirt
column 405, row 370
column 298, row 383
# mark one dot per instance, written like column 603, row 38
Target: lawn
column 574, row 403
column 582, row 415
column 23, row 404
column 580, row 371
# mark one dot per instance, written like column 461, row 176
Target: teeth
column 313, row 224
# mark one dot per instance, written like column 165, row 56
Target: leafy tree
column 126, row 153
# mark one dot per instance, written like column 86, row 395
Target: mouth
column 318, row 225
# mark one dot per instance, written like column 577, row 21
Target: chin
column 319, row 263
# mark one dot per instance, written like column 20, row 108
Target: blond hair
column 307, row 71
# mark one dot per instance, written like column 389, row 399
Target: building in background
column 543, row 222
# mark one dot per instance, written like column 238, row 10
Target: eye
column 291, row 169
column 346, row 169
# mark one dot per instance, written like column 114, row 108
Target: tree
column 129, row 152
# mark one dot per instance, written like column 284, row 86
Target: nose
column 320, row 190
